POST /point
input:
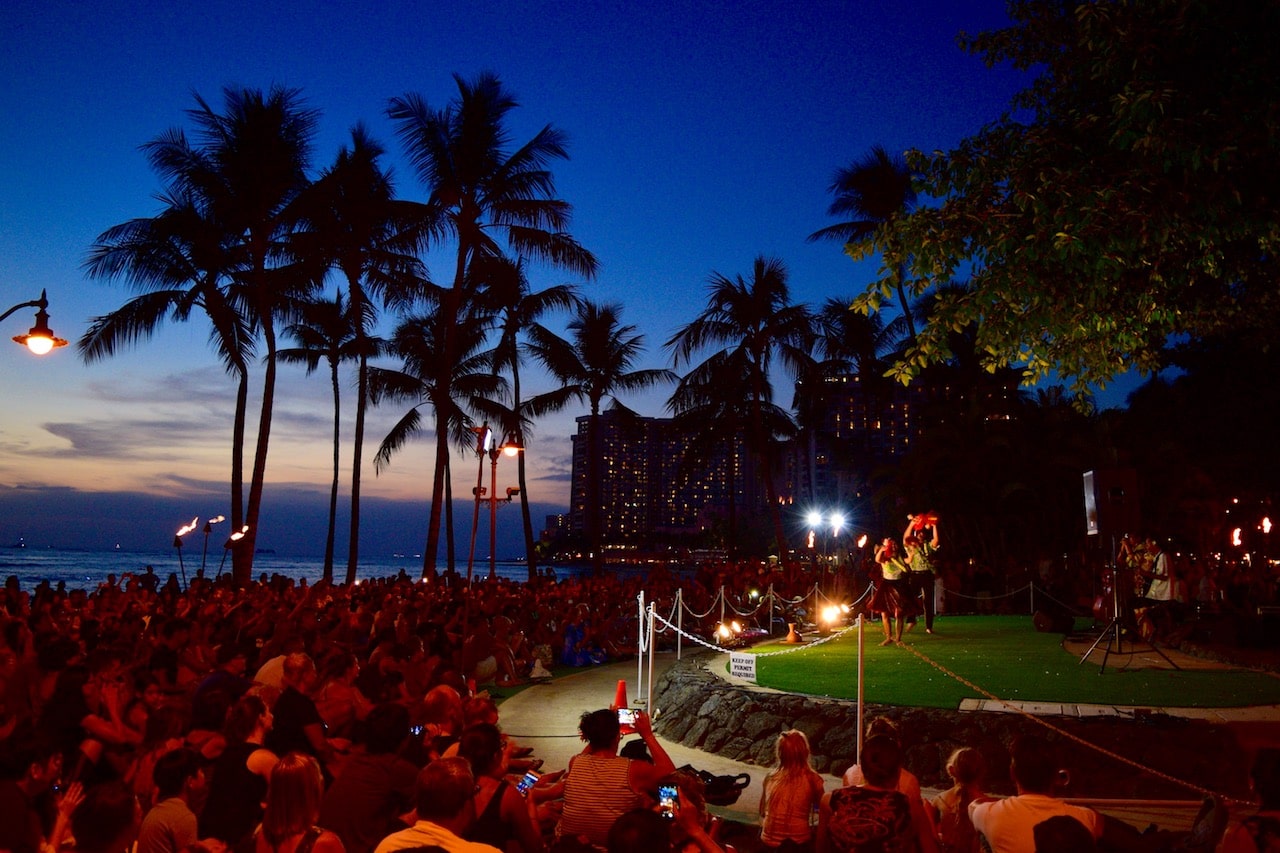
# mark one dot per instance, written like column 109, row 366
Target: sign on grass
column 742, row 666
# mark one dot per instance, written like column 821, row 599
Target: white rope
column 726, row 651
column 714, row 601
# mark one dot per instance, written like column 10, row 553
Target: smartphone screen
column 526, row 781
column 667, row 800
column 626, row 716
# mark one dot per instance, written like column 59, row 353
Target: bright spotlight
column 814, row 518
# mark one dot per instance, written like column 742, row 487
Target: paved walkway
column 545, row 716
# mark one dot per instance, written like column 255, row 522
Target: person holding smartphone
column 502, row 810
column 600, row 785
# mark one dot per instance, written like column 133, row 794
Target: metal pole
column 648, row 694
column 679, row 620
column 861, row 682
column 493, row 514
column 640, row 643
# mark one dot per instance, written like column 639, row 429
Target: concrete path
column 545, row 717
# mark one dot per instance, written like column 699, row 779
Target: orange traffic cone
column 620, row 697
column 620, row 705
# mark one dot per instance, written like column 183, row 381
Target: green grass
column 1006, row 656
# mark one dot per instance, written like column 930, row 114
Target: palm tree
column 481, row 190
column 874, row 191
column 595, row 363
column 713, row 413
column 451, row 392
column 506, row 292
column 326, row 333
column 248, row 167
column 352, row 218
column 178, row 260
column 752, row 320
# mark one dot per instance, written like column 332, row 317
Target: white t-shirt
column 1009, row 824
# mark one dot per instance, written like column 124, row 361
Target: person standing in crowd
column 892, row 599
column 919, row 556
column 1160, row 586
column 791, row 792
column 1008, row 825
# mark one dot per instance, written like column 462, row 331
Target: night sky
column 700, row 135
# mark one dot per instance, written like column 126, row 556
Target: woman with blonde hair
column 293, row 807
column 791, row 790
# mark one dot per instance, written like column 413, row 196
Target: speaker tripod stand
column 1113, row 634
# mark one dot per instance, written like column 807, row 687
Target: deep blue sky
column 701, row 136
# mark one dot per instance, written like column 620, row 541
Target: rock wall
column 702, row 710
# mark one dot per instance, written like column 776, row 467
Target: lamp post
column 510, row 448
column 41, row 338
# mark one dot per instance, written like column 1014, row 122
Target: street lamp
column 510, row 447
column 41, row 338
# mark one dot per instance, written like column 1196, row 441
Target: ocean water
column 88, row 569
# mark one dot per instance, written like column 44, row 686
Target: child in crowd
column 791, row 791
column 951, row 808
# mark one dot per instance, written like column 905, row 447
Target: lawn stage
column 1007, row 657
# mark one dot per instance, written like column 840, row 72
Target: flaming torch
column 228, row 545
column 208, row 528
column 177, row 543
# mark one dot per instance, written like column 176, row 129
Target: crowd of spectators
column 223, row 717
column 287, row 717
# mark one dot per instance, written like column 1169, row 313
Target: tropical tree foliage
column 752, row 321
column 353, row 222
column 1126, row 197
column 488, row 196
column 596, row 362
column 229, row 213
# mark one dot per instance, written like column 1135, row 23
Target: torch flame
column 238, row 535
column 183, row 531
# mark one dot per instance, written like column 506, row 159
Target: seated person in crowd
column 1008, row 825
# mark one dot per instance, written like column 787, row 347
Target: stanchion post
column 769, row 624
column 679, row 621
column 640, row 638
column 648, row 694
column 1032, row 587
column 721, row 604
column 861, row 682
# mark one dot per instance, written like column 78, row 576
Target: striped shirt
column 597, row 791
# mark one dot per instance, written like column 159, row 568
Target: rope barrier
column 1204, row 792
column 724, row 650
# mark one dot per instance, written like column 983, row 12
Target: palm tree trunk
column 362, row 396
column 437, row 505
column 900, row 273
column 244, row 570
column 530, row 545
column 333, row 489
